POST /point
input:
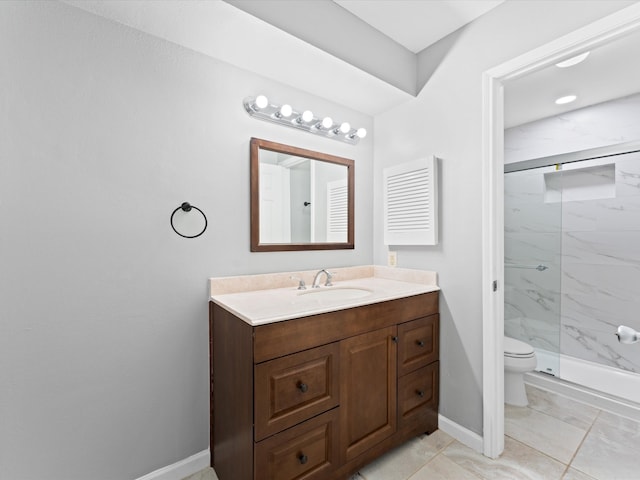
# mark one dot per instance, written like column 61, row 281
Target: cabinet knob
column 394, row 339
column 420, row 393
column 302, row 458
column 303, row 387
column 420, row 343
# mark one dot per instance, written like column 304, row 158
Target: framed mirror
column 300, row 199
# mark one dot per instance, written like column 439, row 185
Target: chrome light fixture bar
column 260, row 107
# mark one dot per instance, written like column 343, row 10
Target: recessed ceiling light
column 566, row 99
column 569, row 62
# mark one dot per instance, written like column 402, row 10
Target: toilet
column 519, row 358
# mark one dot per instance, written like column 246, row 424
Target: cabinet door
column 291, row 389
column 367, row 390
column 418, row 345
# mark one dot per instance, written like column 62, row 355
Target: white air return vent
column 411, row 203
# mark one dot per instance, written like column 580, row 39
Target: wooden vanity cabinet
column 317, row 398
column 293, row 388
column 367, row 391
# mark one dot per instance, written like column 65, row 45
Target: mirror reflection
column 301, row 199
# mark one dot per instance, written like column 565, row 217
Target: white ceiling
column 221, row 31
column 417, row 24
column 609, row 71
column 225, row 32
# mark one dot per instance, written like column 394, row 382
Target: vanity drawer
column 418, row 396
column 418, row 344
column 291, row 389
column 307, row 451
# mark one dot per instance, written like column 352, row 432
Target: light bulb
column 361, row 133
column 286, row 110
column 261, row 102
column 345, row 127
column 307, row 116
column 567, row 99
column 327, row 123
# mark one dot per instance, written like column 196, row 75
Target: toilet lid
column 515, row 347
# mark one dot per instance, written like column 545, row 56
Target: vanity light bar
column 259, row 107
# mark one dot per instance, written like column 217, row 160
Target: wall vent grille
column 410, row 203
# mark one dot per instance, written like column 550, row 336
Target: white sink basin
column 329, row 294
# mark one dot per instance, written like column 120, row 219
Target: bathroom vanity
column 317, row 383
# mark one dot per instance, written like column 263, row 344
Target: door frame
column 591, row 36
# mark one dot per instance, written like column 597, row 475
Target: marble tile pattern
column 592, row 248
column 600, row 446
column 598, row 125
column 533, row 237
column 611, row 449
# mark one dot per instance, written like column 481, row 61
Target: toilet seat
column 517, row 349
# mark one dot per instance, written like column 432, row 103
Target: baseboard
column 202, row 460
column 181, row 469
column 460, row 433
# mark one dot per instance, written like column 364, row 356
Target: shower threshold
column 595, row 398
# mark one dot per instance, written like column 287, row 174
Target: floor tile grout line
column 474, row 474
column 438, row 452
column 425, row 464
column 559, row 420
column 568, row 464
column 538, row 451
column 582, row 443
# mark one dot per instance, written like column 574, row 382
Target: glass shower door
column 532, row 247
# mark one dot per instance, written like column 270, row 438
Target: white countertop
column 249, row 298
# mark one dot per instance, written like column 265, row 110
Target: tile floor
column 554, row 438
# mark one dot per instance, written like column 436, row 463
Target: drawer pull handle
column 420, row 393
column 394, row 339
column 420, row 343
column 302, row 458
column 303, row 387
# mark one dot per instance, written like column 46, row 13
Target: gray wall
column 330, row 27
column 103, row 308
column 446, row 120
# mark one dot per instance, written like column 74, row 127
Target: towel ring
column 186, row 207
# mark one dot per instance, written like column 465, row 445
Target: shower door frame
column 607, row 29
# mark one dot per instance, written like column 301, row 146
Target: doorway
column 598, row 33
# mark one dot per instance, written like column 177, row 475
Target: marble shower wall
column 533, row 237
column 601, row 270
column 606, row 123
column 592, row 248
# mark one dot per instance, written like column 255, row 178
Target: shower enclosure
column 572, row 264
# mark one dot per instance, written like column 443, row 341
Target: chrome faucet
column 316, row 279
